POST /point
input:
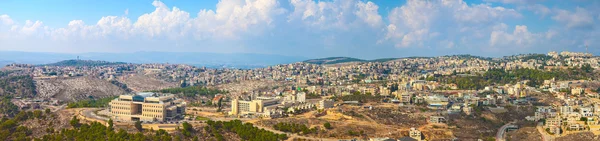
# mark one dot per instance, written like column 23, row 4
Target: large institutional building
column 253, row 106
column 271, row 107
column 147, row 107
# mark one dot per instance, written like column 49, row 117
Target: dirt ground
column 587, row 136
column 524, row 134
column 384, row 121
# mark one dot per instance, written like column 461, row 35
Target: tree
column 74, row 122
column 138, row 126
column 187, row 129
column 47, row 111
column 327, row 125
column 37, row 114
column 219, row 103
column 110, row 124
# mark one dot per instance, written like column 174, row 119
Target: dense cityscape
column 300, row 70
column 530, row 96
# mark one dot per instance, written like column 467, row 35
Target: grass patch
column 202, row 118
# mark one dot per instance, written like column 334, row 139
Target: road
column 545, row 136
column 502, row 131
column 89, row 113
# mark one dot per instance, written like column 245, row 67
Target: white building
column 325, row 104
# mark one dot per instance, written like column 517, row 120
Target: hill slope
column 73, row 89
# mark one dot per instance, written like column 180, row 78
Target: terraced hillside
column 73, row 89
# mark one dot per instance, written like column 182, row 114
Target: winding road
column 502, row 131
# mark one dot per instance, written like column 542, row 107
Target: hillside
column 141, row 83
column 74, row 89
column 16, row 84
column 83, row 63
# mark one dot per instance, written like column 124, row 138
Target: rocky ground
column 144, row 83
column 524, row 134
column 72, row 89
column 587, row 136
column 57, row 121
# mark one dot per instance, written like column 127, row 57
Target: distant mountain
column 229, row 60
column 337, row 60
column 82, row 63
column 4, row 63
column 333, row 60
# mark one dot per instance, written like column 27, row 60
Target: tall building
column 147, row 107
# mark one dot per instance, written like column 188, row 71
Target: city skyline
column 313, row 29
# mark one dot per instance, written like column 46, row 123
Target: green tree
column 187, row 129
column 110, row 124
column 327, row 125
column 74, row 122
column 37, row 114
column 138, row 126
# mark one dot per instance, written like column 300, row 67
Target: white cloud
column 410, row 24
column 163, row 22
column 520, row 37
column 580, row 19
column 6, row 20
column 538, row 9
column 515, row 1
column 368, row 12
column 316, row 26
column 336, row 14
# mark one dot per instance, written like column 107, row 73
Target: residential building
column 415, row 134
column 325, row 104
column 437, row 119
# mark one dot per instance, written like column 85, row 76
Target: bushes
column 245, row 131
column 327, row 125
column 294, row 128
column 187, row 129
column 91, row 103
column 138, row 126
column 98, row 132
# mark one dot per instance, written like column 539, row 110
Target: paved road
column 89, row 113
column 502, row 131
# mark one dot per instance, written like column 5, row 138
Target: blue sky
column 355, row 28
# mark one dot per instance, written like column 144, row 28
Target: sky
column 366, row 29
